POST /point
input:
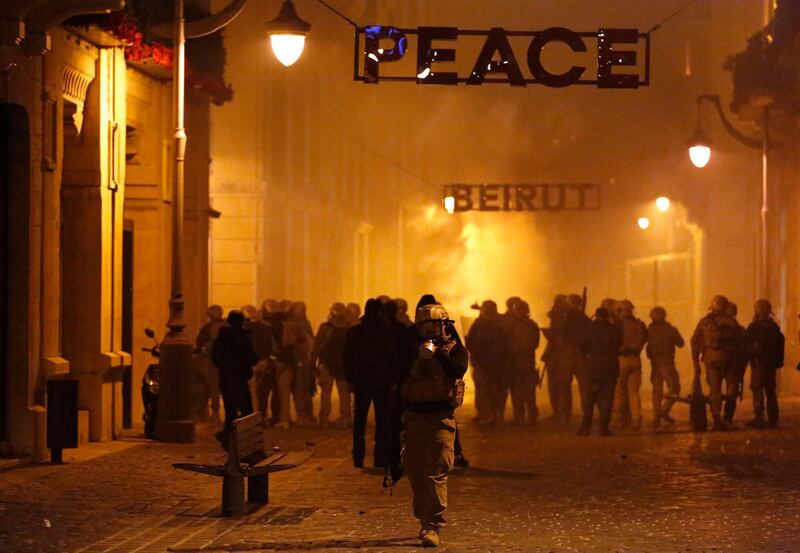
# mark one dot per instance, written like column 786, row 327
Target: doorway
column 14, row 169
column 127, row 321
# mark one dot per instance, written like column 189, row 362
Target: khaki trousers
column 255, row 389
column 664, row 371
column 715, row 377
column 627, row 402
column 428, row 457
column 285, row 377
column 326, row 381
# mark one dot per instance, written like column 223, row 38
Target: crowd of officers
column 604, row 355
column 411, row 373
column 290, row 363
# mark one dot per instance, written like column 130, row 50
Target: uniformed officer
column 327, row 359
column 736, row 365
column 601, row 345
column 487, row 342
column 711, row 344
column 572, row 362
column 523, row 377
column 765, row 344
column 205, row 339
column 553, row 355
column 627, row 401
column 662, row 339
column 432, row 388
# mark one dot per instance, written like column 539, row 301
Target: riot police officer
column 662, row 339
column 602, row 344
column 765, row 345
column 432, row 388
column 711, row 343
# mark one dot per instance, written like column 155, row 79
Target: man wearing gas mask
column 433, row 389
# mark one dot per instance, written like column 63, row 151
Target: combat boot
column 430, row 537
column 757, row 422
column 721, row 425
column 666, row 417
column 345, row 422
column 656, row 423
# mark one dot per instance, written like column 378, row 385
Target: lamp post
column 700, row 153
column 175, row 422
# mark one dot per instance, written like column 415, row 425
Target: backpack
column 332, row 351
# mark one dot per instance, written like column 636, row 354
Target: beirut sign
column 522, row 197
column 555, row 57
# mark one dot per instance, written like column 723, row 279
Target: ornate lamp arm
column 733, row 131
column 205, row 26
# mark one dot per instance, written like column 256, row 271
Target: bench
column 247, row 458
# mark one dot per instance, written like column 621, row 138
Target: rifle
column 584, row 299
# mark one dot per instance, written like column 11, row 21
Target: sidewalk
column 529, row 489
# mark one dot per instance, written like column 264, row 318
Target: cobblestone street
column 528, row 489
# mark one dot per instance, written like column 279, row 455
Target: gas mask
column 432, row 321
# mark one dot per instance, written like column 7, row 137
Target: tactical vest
column 713, row 353
column 427, row 382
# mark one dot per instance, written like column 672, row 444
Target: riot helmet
column 658, row 314
column 214, row 312
column 719, row 304
column 763, row 309
column 432, row 321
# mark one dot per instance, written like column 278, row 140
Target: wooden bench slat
column 251, row 447
column 249, row 421
column 249, row 430
column 243, row 442
column 274, row 458
column 297, row 458
column 269, row 469
column 212, row 470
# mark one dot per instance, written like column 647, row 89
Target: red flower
column 124, row 28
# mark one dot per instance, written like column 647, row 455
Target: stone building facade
column 87, row 138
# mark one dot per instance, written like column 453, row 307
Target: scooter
column 150, row 389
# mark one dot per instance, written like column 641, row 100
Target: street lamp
column 663, row 204
column 699, row 148
column 287, row 34
column 700, row 154
column 644, row 223
column 450, row 204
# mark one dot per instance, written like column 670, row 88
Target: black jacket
column 370, row 354
column 602, row 345
column 487, row 342
column 233, row 354
column 765, row 343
